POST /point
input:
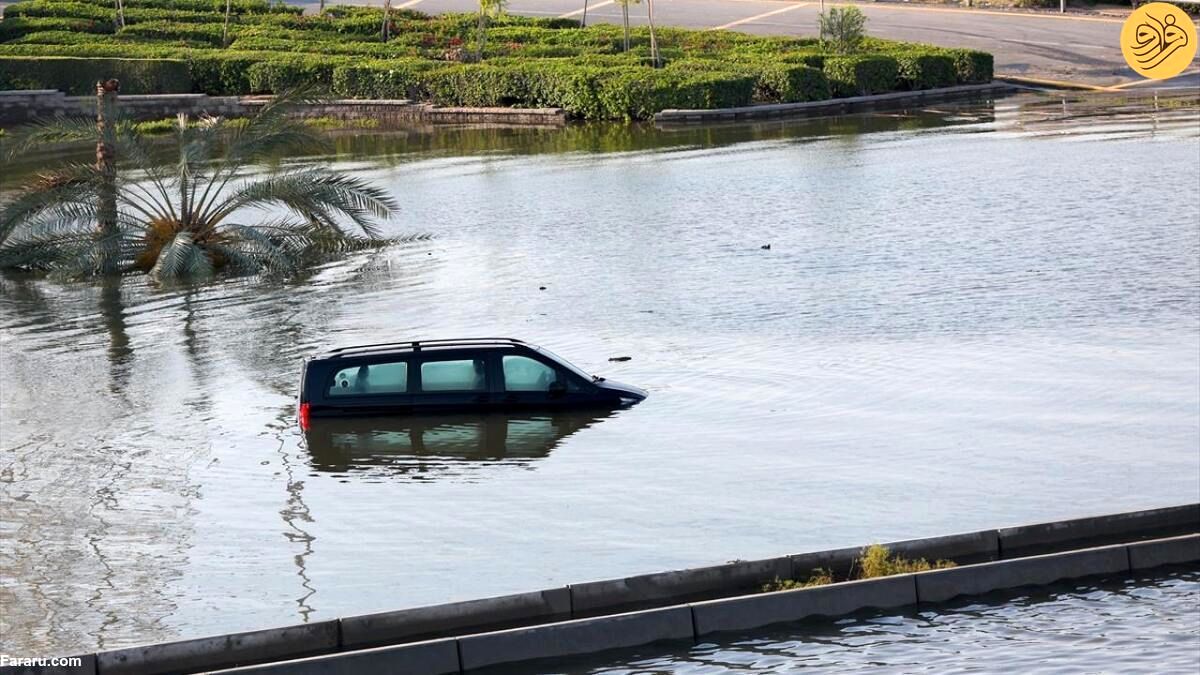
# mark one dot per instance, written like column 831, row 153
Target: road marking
column 1028, row 15
column 756, row 17
column 406, row 5
column 590, row 8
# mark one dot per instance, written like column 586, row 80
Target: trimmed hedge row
column 78, row 76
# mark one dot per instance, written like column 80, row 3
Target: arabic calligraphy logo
column 1158, row 40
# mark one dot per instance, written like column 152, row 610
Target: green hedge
column 383, row 80
column 78, row 77
column 971, row 66
column 919, row 70
column 861, row 75
column 11, row 29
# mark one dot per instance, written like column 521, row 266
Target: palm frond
column 272, row 131
column 54, row 130
column 272, row 244
column 69, row 185
column 47, row 251
column 182, row 259
column 316, row 194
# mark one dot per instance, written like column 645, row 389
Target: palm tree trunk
column 653, row 40
column 120, row 13
column 106, row 166
column 387, row 10
column 225, row 29
column 625, row 20
column 482, row 35
column 583, row 23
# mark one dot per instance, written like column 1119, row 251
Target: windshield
column 564, row 363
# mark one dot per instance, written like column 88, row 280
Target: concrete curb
column 1173, row 551
column 222, row 651
column 1029, row 540
column 435, row 657
column 828, row 107
column 582, row 636
column 942, row 585
column 754, row 611
column 676, row 586
column 472, row 615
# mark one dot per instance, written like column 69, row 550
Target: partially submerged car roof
column 419, row 345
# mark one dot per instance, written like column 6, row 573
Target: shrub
column 385, row 80
column 173, row 32
column 78, row 76
column 878, row 561
column 917, row 70
column 843, row 28
column 60, row 10
column 11, row 29
column 860, row 75
column 221, row 73
column 971, row 66
column 280, row 74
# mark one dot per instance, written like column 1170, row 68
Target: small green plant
column 843, row 28
column 875, row 561
column 819, row 577
column 878, row 561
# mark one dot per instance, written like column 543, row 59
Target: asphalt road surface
column 1074, row 47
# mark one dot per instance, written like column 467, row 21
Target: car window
column 522, row 373
column 375, row 378
column 456, row 375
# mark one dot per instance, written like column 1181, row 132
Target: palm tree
column 188, row 213
column 625, row 17
column 653, row 40
column 487, row 9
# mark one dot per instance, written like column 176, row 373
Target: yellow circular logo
column 1158, row 40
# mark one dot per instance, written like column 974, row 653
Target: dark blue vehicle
column 474, row 374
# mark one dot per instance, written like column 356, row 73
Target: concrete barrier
column 573, row 638
column 840, row 562
column 965, row 549
column 1173, row 551
column 942, row 585
column 222, row 651
column 753, row 611
column 435, row 657
column 458, row 617
column 1098, row 530
column 676, row 586
column 830, row 106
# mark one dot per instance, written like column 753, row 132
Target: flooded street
column 970, row 316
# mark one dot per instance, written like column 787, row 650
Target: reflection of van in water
column 422, row 445
column 480, row 374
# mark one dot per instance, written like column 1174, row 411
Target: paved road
column 1080, row 48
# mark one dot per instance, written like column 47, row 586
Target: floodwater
column 1147, row 624
column 969, row 316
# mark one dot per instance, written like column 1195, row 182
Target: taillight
column 304, row 416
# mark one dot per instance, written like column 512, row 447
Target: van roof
column 418, row 345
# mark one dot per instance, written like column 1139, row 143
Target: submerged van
column 474, row 374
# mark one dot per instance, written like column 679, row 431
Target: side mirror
column 557, row 389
